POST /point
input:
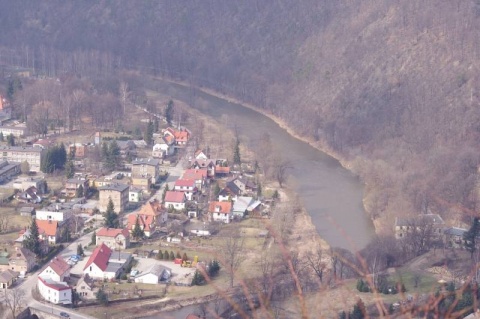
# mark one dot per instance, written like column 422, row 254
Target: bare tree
column 14, row 300
column 232, row 251
column 124, row 94
column 280, row 171
column 316, row 261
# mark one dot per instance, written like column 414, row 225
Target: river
column 331, row 194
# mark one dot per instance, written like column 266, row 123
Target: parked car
column 64, row 314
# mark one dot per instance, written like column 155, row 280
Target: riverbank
column 379, row 224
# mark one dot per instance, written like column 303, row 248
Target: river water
column 331, row 194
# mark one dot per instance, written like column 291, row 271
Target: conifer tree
column 32, row 242
column 137, row 231
column 111, row 218
column 470, row 237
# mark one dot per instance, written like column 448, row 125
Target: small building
column 187, row 186
column 164, row 146
column 22, row 260
column 56, row 292
column 145, row 168
column 105, row 265
column 229, row 193
column 30, row 195
column 48, row 230
column 220, row 211
column 198, row 175
column 19, row 154
column 404, row 226
column 135, row 194
column 207, row 164
column 150, row 216
column 8, row 278
column 153, row 275
column 118, row 193
column 114, row 238
column 86, row 288
column 241, row 205
column 27, row 211
column 175, row 200
column 454, row 237
column 8, row 170
column 73, row 184
column 57, row 269
column 23, row 184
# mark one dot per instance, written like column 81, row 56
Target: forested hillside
column 391, row 87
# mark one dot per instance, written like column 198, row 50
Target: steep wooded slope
column 392, row 87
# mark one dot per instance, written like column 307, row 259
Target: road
column 30, row 282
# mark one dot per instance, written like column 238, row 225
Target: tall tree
column 94, row 238
column 25, row 167
column 11, row 140
column 15, row 301
column 111, row 218
column 471, row 235
column 80, row 191
column 137, row 231
column 169, row 112
column 148, row 136
column 233, row 255
column 32, row 242
column 236, row 152
column 70, row 169
column 165, row 190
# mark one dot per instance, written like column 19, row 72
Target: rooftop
column 112, row 232
column 114, row 187
column 174, row 197
column 146, row 161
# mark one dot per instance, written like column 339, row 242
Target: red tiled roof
column 151, row 208
column 47, row 227
column 195, row 174
column 99, row 257
column 222, row 169
column 185, row 183
column 174, row 197
column 225, row 207
column 181, row 136
column 144, row 221
column 59, row 265
column 53, row 285
column 111, row 232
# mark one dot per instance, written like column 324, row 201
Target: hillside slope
column 391, row 87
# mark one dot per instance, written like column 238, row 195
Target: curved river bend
column 331, row 194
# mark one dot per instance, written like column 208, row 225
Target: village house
column 201, row 155
column 220, row 211
column 79, row 149
column 403, row 226
column 56, row 292
column 181, row 136
column 127, row 149
column 86, row 288
column 19, row 154
column 58, row 214
column 114, row 238
column 57, row 269
column 21, row 260
column 241, row 205
column 23, row 184
column 118, row 193
column 48, row 231
column 8, row 278
column 454, row 237
column 153, row 275
column 17, row 130
column 207, row 164
column 198, row 175
column 145, row 172
column 175, row 200
column 73, row 184
column 8, row 170
column 150, row 216
column 229, row 193
column 187, row 186
column 164, row 146
column 103, row 264
column 135, row 194
column 29, row 196
column 221, row 171
column 44, row 143
column 245, row 184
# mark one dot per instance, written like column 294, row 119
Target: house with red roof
column 181, row 136
column 187, row 186
column 57, row 269
column 105, row 264
column 198, row 175
column 175, row 200
column 208, row 164
column 150, row 216
column 220, row 211
column 57, row 292
column 48, row 230
column 114, row 238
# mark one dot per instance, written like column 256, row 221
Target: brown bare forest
column 391, row 87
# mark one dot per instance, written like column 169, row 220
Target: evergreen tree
column 236, row 153
column 2, row 138
column 178, row 256
column 70, row 169
column 137, row 231
column 342, row 315
column 11, row 140
column 32, row 242
column 60, row 156
column 148, row 136
column 169, row 112
column 184, row 257
column 259, row 190
column 217, row 189
column 198, row 279
column 66, row 235
column 113, row 155
column 166, row 255
column 155, row 125
column 358, row 310
column 172, row 255
column 102, row 297
column 104, row 152
column 165, row 190
column 111, row 218
column 80, row 251
column 213, row 268
column 470, row 237
column 160, row 255
column 94, row 238
column 80, row 191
